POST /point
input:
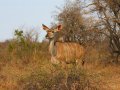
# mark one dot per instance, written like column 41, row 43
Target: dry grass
column 29, row 68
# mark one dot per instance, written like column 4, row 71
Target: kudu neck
column 52, row 47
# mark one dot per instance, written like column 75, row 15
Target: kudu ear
column 59, row 27
column 45, row 27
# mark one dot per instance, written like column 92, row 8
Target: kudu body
column 67, row 52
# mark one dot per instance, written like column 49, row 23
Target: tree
column 72, row 20
column 108, row 12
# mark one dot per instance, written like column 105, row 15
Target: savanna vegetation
column 25, row 62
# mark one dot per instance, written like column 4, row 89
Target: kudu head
column 51, row 32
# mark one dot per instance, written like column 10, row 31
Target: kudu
column 63, row 52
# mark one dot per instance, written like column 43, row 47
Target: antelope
column 63, row 52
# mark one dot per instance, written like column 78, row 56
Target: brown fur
column 69, row 52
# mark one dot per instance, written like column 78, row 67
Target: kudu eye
column 52, row 31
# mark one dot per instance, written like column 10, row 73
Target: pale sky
column 27, row 13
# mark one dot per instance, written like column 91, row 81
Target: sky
column 25, row 14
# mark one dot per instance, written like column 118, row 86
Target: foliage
column 109, row 14
column 19, row 35
column 71, row 18
column 59, row 80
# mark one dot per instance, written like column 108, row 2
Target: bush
column 25, row 47
column 70, row 79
